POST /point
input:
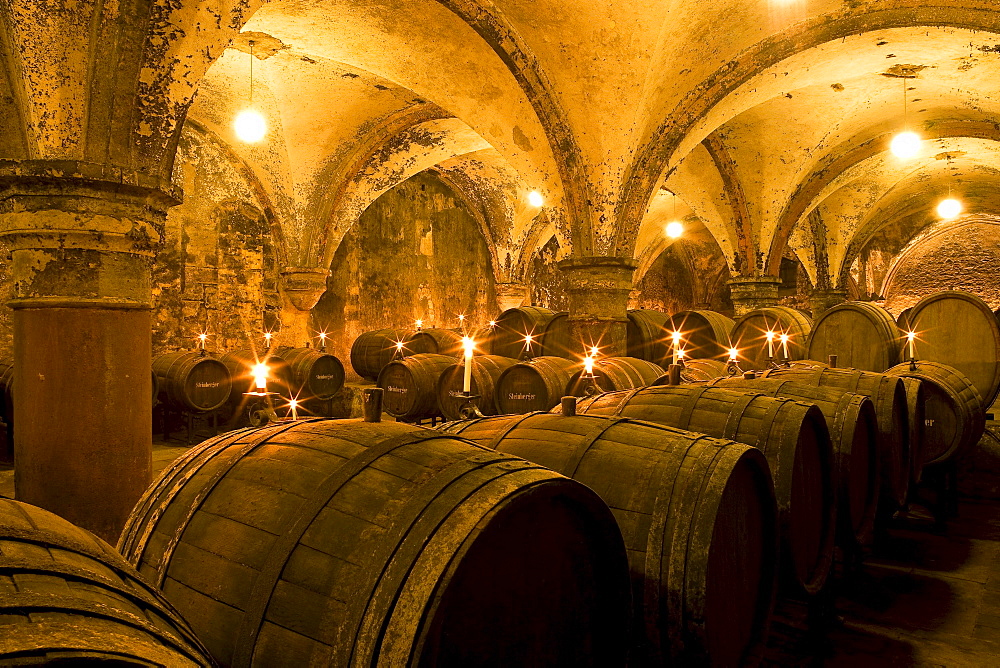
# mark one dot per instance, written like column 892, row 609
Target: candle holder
column 771, row 364
column 733, row 368
column 592, row 387
column 468, row 409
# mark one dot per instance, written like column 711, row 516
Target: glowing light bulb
column 250, row 126
column 535, row 198
column 905, row 145
column 949, row 208
column 674, row 229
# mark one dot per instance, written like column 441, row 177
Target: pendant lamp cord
column 251, row 74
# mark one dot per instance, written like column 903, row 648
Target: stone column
column 821, row 301
column 511, row 295
column 753, row 292
column 301, row 288
column 598, row 290
column 82, row 239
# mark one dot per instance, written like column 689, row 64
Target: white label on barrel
column 456, row 393
column 400, row 390
column 521, row 397
column 929, row 423
column 206, row 384
column 326, row 377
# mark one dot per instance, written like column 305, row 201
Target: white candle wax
column 910, row 338
column 467, row 378
column 770, row 344
column 784, row 345
column 588, row 365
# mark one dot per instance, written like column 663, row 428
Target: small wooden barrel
column 853, row 427
column 700, row 369
column 69, row 597
column 915, row 406
column 557, row 340
column 437, row 341
column 192, row 381
column 241, row 363
column 954, row 413
column 410, row 386
column 889, row 396
column 791, row 434
column 750, row 335
column 704, row 334
column 314, row 373
column 513, row 324
column 373, row 350
column 381, row 544
column 486, row 370
column 646, row 336
column 614, row 373
column 960, row 330
column 699, row 519
column 862, row 336
column 536, row 385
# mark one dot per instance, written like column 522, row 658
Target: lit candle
column 784, row 345
column 594, row 352
column 469, row 345
column 267, row 338
column 677, row 342
column 399, row 349
column 259, row 373
column 461, row 318
column 770, row 344
column 493, row 323
column 202, row 338
column 420, row 324
column 680, row 354
column 322, row 340
column 588, row 365
column 294, row 405
column 733, row 352
column 910, row 336
column 527, row 342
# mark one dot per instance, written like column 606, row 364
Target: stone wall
column 548, row 283
column 689, row 274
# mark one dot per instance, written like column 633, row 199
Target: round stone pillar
column 753, row 292
column 598, row 290
column 82, row 239
column 511, row 295
column 821, row 301
column 301, row 289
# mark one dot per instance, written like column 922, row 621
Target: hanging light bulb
column 675, row 229
column 906, row 144
column 949, row 208
column 535, row 198
column 249, row 124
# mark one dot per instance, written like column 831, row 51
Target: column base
column 599, row 289
column 821, row 301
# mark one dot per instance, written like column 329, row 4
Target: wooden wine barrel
column 954, row 413
column 889, row 396
column 437, row 341
column 960, row 330
column 513, row 324
column 154, row 381
column 483, row 337
column 862, row 336
column 646, row 336
column 853, row 427
column 7, row 409
column 750, row 335
column 699, row 519
column 536, row 385
column 69, row 597
column 240, row 364
column 557, row 340
column 614, row 373
column 705, row 334
column 915, row 407
column 700, row 369
column 191, row 381
column 794, row 439
column 486, row 370
column 314, row 373
column 410, row 386
column 381, row 544
column 373, row 350
column 903, row 320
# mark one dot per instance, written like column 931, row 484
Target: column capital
column 821, row 301
column 303, row 286
column 511, row 295
column 753, row 292
column 598, row 287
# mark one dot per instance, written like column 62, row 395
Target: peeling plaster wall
column 217, row 270
column 689, row 274
column 548, row 283
column 416, row 252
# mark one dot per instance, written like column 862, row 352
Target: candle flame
column 733, row 353
column 259, row 372
column 399, row 346
column 461, row 317
column 420, row 323
column 680, row 354
column 911, row 335
column 770, row 335
column 784, row 338
column 322, row 336
column 528, row 338
column 267, row 336
column 594, row 351
column 676, row 336
column 493, row 323
column 468, row 345
column 203, row 336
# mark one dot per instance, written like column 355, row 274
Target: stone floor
column 922, row 598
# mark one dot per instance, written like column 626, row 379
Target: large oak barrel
column 536, row 385
column 486, row 370
column 241, row 363
column 960, row 330
column 702, row 369
column 704, row 334
column 7, row 408
column 69, row 597
column 954, row 413
column 513, row 324
column 853, row 427
column 915, row 407
column 192, row 381
column 903, row 320
column 314, row 373
column 557, row 339
column 381, row 544
column 889, row 396
column 699, row 519
column 437, row 341
column 614, row 373
column 862, row 335
column 410, row 385
column 750, row 334
column 794, row 439
column 373, row 350
column 646, row 336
